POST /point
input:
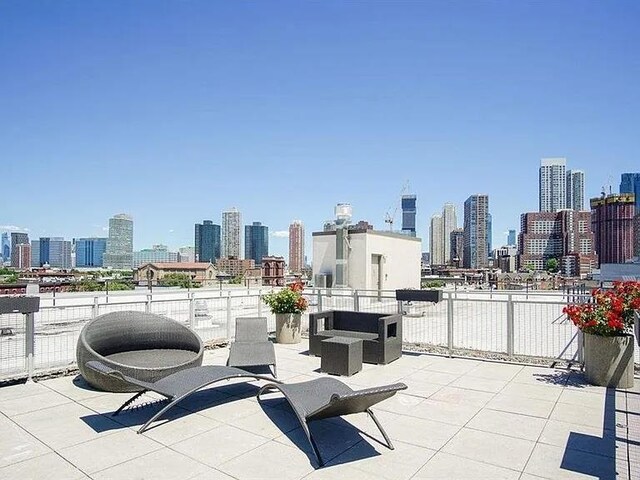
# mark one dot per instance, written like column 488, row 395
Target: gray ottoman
column 341, row 356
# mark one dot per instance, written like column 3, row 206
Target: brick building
column 273, row 271
column 564, row 235
column 612, row 223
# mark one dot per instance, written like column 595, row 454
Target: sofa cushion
column 348, row 333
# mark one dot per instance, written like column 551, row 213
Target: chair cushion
column 251, row 354
column 153, row 358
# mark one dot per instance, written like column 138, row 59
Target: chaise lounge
column 329, row 397
column 175, row 387
column 381, row 333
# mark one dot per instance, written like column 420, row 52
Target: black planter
column 19, row 304
column 434, row 296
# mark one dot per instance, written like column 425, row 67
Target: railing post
column 96, row 307
column 510, row 329
column 356, row 301
column 259, row 302
column 229, row 326
column 319, row 300
column 400, row 309
column 29, row 343
column 450, row 324
column 192, row 311
column 147, row 306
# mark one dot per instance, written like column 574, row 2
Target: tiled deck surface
column 459, row 419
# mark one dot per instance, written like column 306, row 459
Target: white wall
column 400, row 259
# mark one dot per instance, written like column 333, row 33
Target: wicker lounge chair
column 329, row 397
column 142, row 345
column 252, row 349
column 175, row 387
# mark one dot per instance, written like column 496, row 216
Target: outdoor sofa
column 381, row 333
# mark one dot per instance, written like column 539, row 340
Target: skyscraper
column 231, row 221
column 119, row 253
column 22, row 254
column 207, row 242
column 296, row 246
column 409, row 215
column 52, row 251
column 449, row 224
column 511, row 238
column 457, row 247
column 575, row 190
column 256, row 242
column 612, row 225
column 552, row 184
column 17, row 260
column 630, row 183
column 436, row 245
column 5, row 247
column 489, row 235
column 90, row 252
column 476, row 242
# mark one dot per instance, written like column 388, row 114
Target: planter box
column 434, row 296
column 288, row 327
column 19, row 304
column 608, row 361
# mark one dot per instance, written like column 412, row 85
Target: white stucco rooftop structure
column 375, row 260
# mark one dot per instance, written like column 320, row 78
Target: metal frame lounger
column 177, row 386
column 252, row 348
column 329, row 397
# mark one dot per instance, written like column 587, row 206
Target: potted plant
column 287, row 304
column 606, row 323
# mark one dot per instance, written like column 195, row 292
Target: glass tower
column 90, row 252
column 409, row 215
column 207, row 242
column 552, row 184
column 5, row 247
column 256, row 242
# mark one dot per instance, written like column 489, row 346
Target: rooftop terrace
column 459, row 418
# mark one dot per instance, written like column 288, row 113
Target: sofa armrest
column 390, row 327
column 315, row 318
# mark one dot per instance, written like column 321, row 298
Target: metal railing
column 510, row 324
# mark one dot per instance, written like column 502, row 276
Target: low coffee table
column 341, row 355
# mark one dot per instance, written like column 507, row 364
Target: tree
column 551, row 265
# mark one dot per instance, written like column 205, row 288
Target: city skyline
column 349, row 100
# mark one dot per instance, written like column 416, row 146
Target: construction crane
column 390, row 216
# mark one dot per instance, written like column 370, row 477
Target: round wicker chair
column 141, row 345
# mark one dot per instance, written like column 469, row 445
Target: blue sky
column 175, row 111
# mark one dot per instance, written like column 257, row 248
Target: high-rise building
column 35, row 253
column 256, row 242
column 575, row 190
column 630, row 183
column 207, row 242
column 17, row 261
column 511, row 238
column 90, row 252
column 449, row 224
column 296, row 246
column 436, row 245
column 231, row 221
column 5, row 247
column 409, row 215
column 52, row 251
column 456, row 240
column 119, row 253
column 22, row 253
column 476, row 240
column 552, row 184
column 564, row 235
column 489, row 235
column 612, row 223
